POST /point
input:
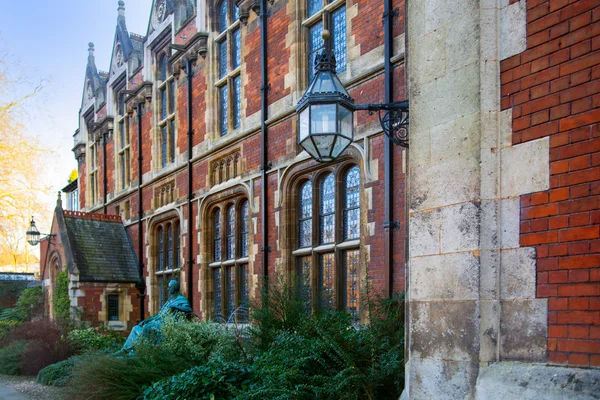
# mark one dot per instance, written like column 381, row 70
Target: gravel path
column 27, row 386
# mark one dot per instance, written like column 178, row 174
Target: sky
column 46, row 42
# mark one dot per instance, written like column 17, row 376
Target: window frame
column 324, row 16
column 161, row 275
column 238, row 265
column 94, row 170
column 123, row 153
column 166, row 110
column 229, row 84
column 340, row 246
column 109, row 315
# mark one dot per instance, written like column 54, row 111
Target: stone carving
column 161, row 10
column 149, row 327
column 120, row 59
column 225, row 168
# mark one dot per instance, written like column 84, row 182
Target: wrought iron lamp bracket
column 393, row 118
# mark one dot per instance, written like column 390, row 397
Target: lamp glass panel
column 304, row 128
column 324, row 144
column 340, row 145
column 308, row 145
column 324, row 83
column 346, row 122
column 323, row 118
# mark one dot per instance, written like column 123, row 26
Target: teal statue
column 177, row 303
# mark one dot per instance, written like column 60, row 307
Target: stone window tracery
column 229, row 269
column 229, row 83
column 167, row 239
column 328, row 262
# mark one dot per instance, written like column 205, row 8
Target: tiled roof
column 101, row 248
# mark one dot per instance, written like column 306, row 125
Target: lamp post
column 326, row 112
column 33, row 235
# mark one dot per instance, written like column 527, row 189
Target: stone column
column 471, row 288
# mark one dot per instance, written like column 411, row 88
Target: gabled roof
column 98, row 247
column 94, row 86
column 124, row 43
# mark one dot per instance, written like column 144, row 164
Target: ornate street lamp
column 326, row 112
column 33, row 235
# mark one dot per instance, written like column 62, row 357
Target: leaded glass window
column 327, row 281
column 122, row 156
column 161, row 249
column 336, row 19
column 229, row 84
column 166, row 113
column 170, row 246
column 230, row 232
column 351, row 262
column 113, row 307
column 230, row 279
column 218, row 295
column 244, row 229
column 234, row 268
column 352, row 204
column 305, row 220
column 217, row 233
column 327, row 210
column 176, row 262
column 328, row 269
column 167, row 250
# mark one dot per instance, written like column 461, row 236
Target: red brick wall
column 553, row 89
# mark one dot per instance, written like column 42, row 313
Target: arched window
column 230, row 274
column 328, row 265
column 167, row 256
column 229, row 50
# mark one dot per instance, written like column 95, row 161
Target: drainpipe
column 388, row 19
column 105, row 176
column 263, row 135
column 141, row 285
column 190, row 134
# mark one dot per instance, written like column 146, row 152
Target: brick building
column 191, row 137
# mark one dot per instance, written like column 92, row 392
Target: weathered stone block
column 510, row 223
column 459, row 136
column 444, row 277
column 441, row 380
column 526, row 168
column 462, row 37
column 524, row 330
column 489, row 327
column 460, row 227
column 444, row 330
column 431, row 49
column 424, row 233
column 513, row 29
column 517, row 276
column 488, row 280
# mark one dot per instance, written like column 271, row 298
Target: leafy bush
column 216, row 379
column 58, row 374
column 94, row 339
column 62, row 303
column 30, row 304
column 6, row 327
column 10, row 358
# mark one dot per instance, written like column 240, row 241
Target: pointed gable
column 126, row 50
column 183, row 10
column 95, row 84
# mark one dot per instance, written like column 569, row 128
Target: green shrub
column 11, row 357
column 62, row 303
column 94, row 339
column 58, row 374
column 6, row 327
column 215, row 379
column 29, row 304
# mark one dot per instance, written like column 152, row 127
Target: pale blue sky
column 47, row 41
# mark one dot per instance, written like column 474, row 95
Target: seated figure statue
column 151, row 326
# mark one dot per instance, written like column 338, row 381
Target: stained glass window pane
column 163, row 68
column 171, row 97
column 223, row 16
column 223, row 92
column 326, row 281
column 222, row 59
column 351, row 262
column 315, row 42
column 163, row 146
column 163, row 104
column 172, row 140
column 113, row 307
column 237, row 101
column 327, row 210
column 244, row 229
column 236, row 50
column 218, row 296
column 177, row 234
column 170, row 247
column 121, row 104
column 352, row 204
column 236, row 13
column 123, row 171
column 244, row 295
column 122, row 133
column 161, row 249
column 338, row 37
column 217, row 233
column 304, row 280
column 305, row 220
column 230, row 279
column 314, row 6
column 230, row 232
